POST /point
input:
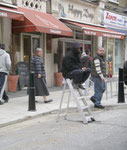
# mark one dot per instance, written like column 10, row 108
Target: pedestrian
column 37, row 67
column 88, row 54
column 72, row 67
column 98, row 73
column 5, row 65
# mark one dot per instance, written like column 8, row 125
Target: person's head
column 101, row 51
column 77, row 47
column 87, row 52
column 38, row 52
column 2, row 46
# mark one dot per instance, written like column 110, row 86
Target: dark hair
column 2, row 46
column 87, row 51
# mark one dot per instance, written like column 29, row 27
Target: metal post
column 121, row 98
column 32, row 106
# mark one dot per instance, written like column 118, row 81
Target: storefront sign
column 80, row 13
column 115, row 20
column 74, row 10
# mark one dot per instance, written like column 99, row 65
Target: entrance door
column 30, row 43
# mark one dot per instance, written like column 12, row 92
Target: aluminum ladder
column 77, row 96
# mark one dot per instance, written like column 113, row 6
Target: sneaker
column 99, row 106
column 1, row 103
column 93, row 99
column 48, row 101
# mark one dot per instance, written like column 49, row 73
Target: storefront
column 7, row 14
column 37, row 30
column 115, row 47
column 84, row 20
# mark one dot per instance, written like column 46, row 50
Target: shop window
column 79, row 35
column 48, row 41
column 87, row 37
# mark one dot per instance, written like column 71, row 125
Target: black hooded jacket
column 71, row 61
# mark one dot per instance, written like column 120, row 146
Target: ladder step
column 81, row 97
column 85, row 107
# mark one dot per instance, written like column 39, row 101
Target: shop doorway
column 110, row 57
column 30, row 43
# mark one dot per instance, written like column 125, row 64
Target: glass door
column 30, row 43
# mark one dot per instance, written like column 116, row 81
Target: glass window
column 79, row 35
column 118, row 54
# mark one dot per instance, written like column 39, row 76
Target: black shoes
column 1, row 103
column 96, row 106
column 93, row 99
column 48, row 101
column 99, row 106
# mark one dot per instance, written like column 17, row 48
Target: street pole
column 121, row 98
column 31, row 91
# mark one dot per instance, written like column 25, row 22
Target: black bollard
column 31, row 91
column 121, row 98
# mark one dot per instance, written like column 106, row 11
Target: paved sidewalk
column 16, row 109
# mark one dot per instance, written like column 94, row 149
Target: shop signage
column 80, row 13
column 76, row 11
column 115, row 20
column 23, row 73
column 55, row 31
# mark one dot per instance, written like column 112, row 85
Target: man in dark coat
column 72, row 68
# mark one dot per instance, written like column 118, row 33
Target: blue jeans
column 99, row 88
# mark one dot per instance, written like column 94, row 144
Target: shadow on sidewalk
column 23, row 92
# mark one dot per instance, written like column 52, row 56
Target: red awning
column 11, row 13
column 97, row 31
column 40, row 22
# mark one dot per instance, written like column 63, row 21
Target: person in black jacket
column 72, row 68
column 37, row 67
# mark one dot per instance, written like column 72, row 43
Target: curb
column 107, row 108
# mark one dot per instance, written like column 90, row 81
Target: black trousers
column 78, row 75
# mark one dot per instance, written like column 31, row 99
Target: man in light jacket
column 5, row 65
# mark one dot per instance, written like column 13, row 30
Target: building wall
column 6, row 32
column 39, row 5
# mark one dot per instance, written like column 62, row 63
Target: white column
column 99, row 41
column 125, row 48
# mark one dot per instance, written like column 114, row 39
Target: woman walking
column 37, row 67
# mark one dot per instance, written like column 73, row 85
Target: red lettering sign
column 110, row 17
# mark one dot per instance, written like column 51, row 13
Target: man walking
column 5, row 64
column 98, row 74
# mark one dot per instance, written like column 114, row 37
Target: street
column 108, row 132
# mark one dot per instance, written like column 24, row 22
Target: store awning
column 97, row 31
column 11, row 13
column 35, row 21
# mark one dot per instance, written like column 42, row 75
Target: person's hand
column 39, row 76
column 103, row 79
column 84, row 69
